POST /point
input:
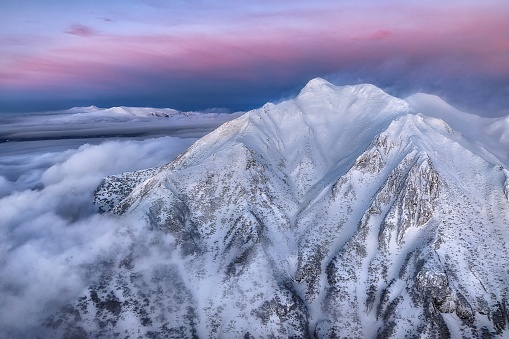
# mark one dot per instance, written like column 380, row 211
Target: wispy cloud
column 81, row 30
column 378, row 35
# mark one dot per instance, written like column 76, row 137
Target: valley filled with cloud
column 51, row 231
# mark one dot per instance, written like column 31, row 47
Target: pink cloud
column 380, row 34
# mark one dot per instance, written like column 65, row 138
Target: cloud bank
column 50, row 230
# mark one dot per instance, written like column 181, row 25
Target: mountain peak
column 317, row 84
column 322, row 86
column 350, row 104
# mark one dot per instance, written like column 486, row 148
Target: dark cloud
column 81, row 30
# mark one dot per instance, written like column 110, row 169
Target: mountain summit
column 344, row 212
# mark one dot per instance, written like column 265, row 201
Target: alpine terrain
column 344, row 212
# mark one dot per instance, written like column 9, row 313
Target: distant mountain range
column 93, row 122
column 344, row 212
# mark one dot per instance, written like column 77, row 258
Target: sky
column 199, row 54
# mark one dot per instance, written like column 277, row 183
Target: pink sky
column 153, row 55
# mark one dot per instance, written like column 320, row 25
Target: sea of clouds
column 50, row 230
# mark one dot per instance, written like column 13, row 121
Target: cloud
column 50, row 234
column 5, row 186
column 52, row 238
column 81, row 30
column 379, row 35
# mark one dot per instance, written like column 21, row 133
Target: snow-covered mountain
column 134, row 112
column 344, row 212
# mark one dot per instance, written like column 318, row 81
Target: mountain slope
column 489, row 133
column 342, row 212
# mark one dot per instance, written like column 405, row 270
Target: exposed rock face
column 340, row 213
column 115, row 188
